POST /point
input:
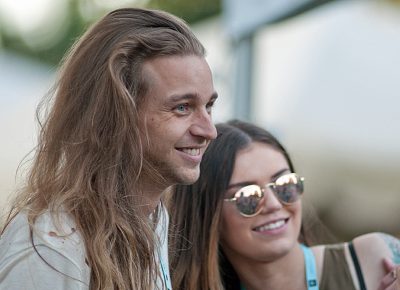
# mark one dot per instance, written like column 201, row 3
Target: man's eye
column 182, row 107
column 209, row 107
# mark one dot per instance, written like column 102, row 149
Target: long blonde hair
column 89, row 157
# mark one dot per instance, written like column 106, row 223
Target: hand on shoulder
column 378, row 244
column 372, row 249
column 392, row 279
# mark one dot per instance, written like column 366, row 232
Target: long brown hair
column 89, row 158
column 196, row 259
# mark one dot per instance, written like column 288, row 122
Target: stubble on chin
column 164, row 171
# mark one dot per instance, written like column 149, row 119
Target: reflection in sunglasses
column 287, row 188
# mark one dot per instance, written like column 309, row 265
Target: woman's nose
column 270, row 202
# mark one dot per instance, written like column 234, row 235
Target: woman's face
column 274, row 231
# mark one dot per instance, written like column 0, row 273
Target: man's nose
column 203, row 126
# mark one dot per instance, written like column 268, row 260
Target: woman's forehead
column 257, row 163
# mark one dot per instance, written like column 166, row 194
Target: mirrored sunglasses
column 287, row 188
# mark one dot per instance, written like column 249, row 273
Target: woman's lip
column 269, row 223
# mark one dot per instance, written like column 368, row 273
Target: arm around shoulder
column 371, row 250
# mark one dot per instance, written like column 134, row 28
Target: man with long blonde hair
column 129, row 116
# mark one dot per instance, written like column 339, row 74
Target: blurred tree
column 190, row 11
column 53, row 53
column 81, row 13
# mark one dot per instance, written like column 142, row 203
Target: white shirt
column 21, row 268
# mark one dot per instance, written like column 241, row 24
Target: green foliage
column 53, row 53
column 190, row 11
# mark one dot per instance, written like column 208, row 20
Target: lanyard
column 165, row 272
column 160, row 250
column 311, row 269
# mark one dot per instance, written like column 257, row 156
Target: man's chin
column 190, row 177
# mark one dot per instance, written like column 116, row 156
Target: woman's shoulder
column 378, row 244
column 368, row 243
column 371, row 249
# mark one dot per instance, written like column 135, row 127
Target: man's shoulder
column 55, row 254
column 55, row 232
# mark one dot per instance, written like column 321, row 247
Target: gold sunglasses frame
column 272, row 186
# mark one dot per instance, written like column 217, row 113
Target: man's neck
column 152, row 195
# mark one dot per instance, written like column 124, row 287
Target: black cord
column 357, row 266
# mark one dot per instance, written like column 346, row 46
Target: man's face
column 177, row 115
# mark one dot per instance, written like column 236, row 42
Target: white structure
column 22, row 84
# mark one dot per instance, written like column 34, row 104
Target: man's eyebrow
column 185, row 97
column 214, row 96
column 188, row 97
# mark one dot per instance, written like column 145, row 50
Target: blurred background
column 321, row 75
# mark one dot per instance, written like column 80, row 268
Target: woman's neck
column 286, row 272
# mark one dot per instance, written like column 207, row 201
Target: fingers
column 391, row 281
column 386, row 281
column 388, row 264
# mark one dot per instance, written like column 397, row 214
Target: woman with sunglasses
column 240, row 226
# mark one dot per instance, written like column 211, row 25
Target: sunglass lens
column 289, row 188
column 248, row 200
